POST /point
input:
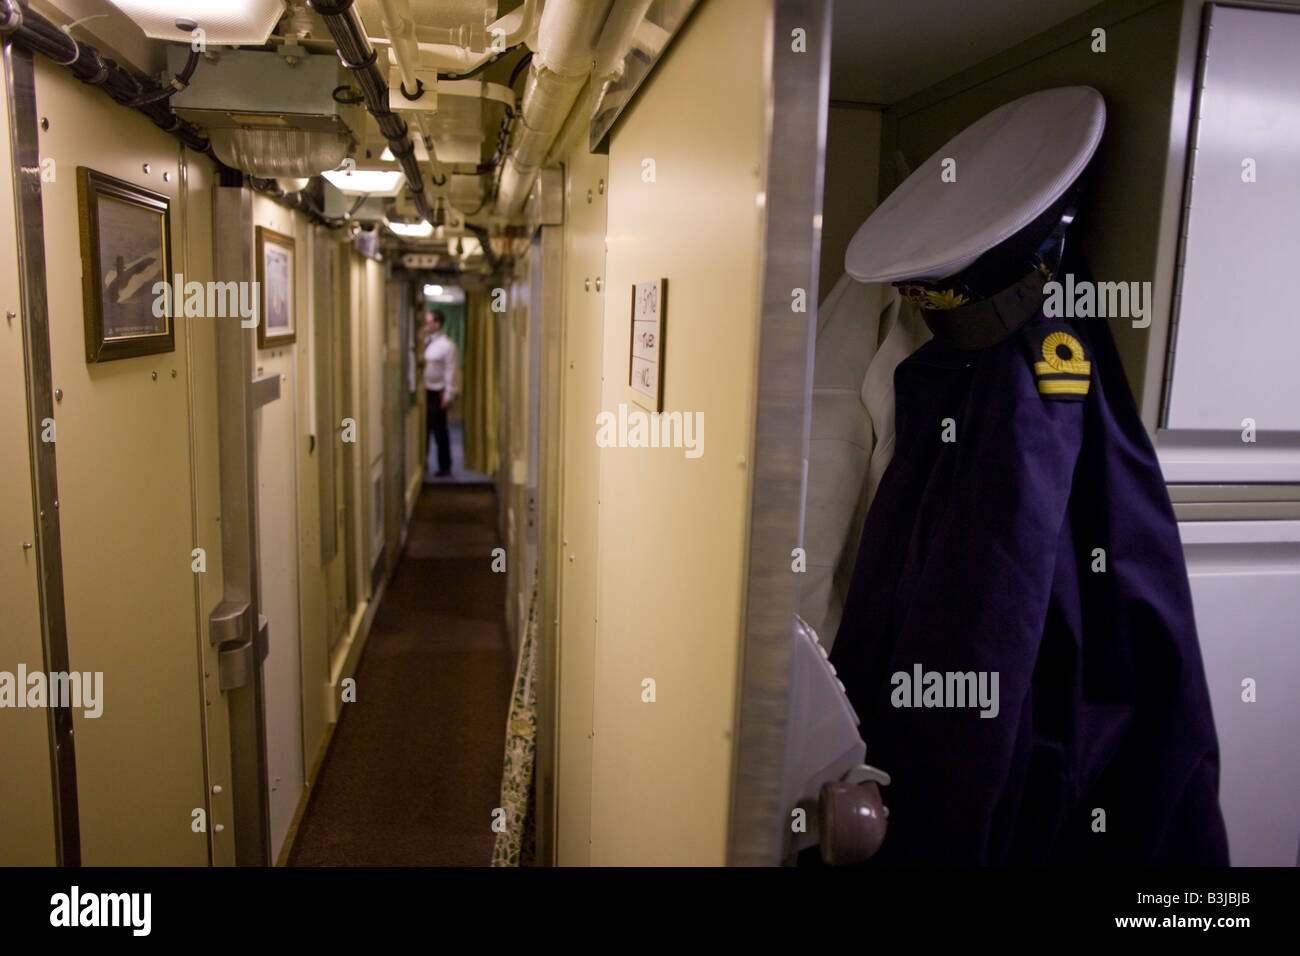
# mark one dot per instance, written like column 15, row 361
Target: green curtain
column 454, row 326
column 479, row 386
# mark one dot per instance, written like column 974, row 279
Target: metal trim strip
column 20, row 89
column 798, row 91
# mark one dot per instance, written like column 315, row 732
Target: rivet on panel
column 145, row 167
column 586, row 284
column 173, row 373
column 167, row 177
column 154, row 375
column 45, row 122
column 56, row 504
column 601, row 187
column 10, row 314
column 27, row 546
column 588, row 195
column 218, row 827
column 571, row 557
column 216, row 788
column 597, row 283
column 58, row 394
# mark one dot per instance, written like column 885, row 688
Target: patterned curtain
column 516, row 843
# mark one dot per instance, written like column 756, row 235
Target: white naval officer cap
column 1010, row 167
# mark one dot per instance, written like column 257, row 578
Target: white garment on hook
column 863, row 331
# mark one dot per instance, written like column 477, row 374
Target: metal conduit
column 38, row 34
column 356, row 53
column 34, row 32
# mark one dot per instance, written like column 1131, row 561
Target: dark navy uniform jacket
column 978, row 555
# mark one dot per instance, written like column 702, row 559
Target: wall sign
column 645, row 363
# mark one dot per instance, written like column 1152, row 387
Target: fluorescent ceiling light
column 369, row 182
column 433, row 290
column 411, row 230
column 223, row 22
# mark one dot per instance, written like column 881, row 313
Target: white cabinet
column 1245, row 578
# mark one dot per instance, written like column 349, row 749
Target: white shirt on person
column 440, row 364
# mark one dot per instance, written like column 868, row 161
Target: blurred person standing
column 440, row 362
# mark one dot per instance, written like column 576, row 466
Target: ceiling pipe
column 32, row 31
column 611, row 52
column 567, row 35
column 38, row 34
column 452, row 52
column 616, row 38
column 400, row 27
column 357, row 54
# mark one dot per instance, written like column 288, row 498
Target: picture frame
column 125, row 234
column 275, row 277
column 645, row 374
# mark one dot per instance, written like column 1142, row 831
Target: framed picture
column 645, row 361
column 125, row 254
column 275, row 277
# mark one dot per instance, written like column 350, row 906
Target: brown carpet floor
column 414, row 770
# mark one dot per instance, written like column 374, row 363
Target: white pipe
column 396, row 17
column 450, row 48
column 400, row 28
column 616, row 38
column 567, row 35
column 522, row 30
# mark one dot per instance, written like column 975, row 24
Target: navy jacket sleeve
column 976, row 570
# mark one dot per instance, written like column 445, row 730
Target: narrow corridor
column 414, row 768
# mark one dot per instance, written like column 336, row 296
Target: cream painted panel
column 672, row 530
column 276, row 434
column 26, row 797
column 358, row 465
column 125, row 487
column 373, row 375
column 584, row 258
column 194, row 257
column 514, row 460
column 313, row 598
column 339, row 571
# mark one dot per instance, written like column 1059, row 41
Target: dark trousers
column 438, row 427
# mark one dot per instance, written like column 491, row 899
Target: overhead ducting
column 454, row 36
column 84, row 61
column 269, row 114
column 567, row 35
column 359, row 56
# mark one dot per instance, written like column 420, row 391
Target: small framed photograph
column 275, row 277
column 125, row 256
column 645, row 363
